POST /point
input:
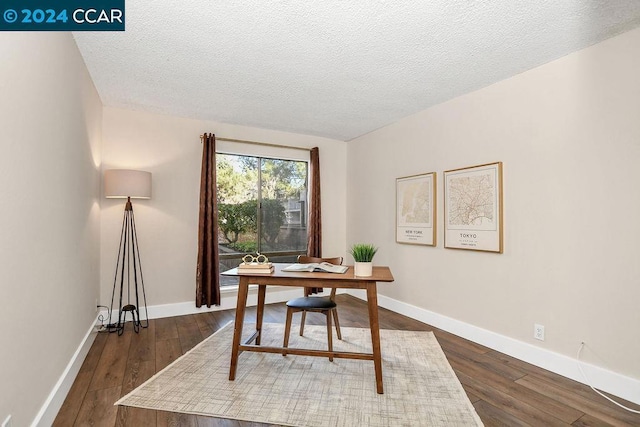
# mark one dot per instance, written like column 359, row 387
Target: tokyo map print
column 472, row 201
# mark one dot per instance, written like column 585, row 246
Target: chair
column 324, row 305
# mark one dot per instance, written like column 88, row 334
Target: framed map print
column 416, row 209
column 473, row 208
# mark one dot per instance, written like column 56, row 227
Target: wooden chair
column 319, row 304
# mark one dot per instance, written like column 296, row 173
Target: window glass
column 261, row 208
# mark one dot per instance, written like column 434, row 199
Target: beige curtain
column 314, row 227
column 207, row 274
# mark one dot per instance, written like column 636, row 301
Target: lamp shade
column 123, row 183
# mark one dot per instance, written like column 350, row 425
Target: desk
column 298, row 279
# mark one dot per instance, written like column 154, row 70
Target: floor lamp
column 128, row 184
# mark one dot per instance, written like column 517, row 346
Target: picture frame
column 473, row 208
column 416, row 209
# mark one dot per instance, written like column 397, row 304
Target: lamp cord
column 101, row 318
column 593, row 388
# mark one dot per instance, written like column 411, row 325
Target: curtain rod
column 266, row 144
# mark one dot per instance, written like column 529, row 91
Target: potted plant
column 362, row 254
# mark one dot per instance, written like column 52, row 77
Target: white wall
column 167, row 225
column 50, row 116
column 569, row 135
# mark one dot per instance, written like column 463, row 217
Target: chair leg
column 302, row 319
column 287, row 329
column 335, row 318
column 329, row 333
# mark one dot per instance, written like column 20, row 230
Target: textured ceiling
column 331, row 68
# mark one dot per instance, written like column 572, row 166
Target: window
column 261, row 208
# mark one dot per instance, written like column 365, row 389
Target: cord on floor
column 593, row 388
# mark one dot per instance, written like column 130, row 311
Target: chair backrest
column 303, row 259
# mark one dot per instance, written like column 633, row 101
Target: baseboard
column 605, row 380
column 52, row 405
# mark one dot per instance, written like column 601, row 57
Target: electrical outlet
column 538, row 332
column 7, row 422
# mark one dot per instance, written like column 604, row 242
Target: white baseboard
column 52, row 405
column 601, row 378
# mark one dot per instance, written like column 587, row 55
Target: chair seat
column 312, row 302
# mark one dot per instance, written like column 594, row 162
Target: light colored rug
column 420, row 387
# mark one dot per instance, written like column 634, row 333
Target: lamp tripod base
column 129, row 277
column 122, row 319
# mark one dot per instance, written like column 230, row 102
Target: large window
column 261, row 208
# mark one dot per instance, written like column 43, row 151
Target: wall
column 569, row 136
column 50, row 116
column 170, row 148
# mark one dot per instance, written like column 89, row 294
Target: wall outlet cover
column 538, row 332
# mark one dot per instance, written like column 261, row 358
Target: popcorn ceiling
column 337, row 69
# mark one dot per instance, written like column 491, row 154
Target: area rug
column 420, row 387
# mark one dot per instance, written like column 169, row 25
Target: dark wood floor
column 504, row 390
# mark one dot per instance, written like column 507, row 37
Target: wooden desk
column 320, row 280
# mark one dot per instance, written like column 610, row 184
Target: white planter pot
column 363, row 269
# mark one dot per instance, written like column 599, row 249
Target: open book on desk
column 323, row 267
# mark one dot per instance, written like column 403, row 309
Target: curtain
column 314, row 226
column 207, row 274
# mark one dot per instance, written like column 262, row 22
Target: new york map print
column 415, row 209
column 415, row 202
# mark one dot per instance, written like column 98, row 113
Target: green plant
column 237, row 218
column 245, row 247
column 363, row 252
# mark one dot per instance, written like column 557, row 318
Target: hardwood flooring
column 505, row 391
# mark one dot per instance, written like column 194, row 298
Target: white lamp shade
column 123, row 183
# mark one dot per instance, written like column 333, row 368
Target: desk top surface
column 380, row 274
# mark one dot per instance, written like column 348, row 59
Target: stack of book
column 254, row 267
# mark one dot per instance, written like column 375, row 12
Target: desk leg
column 243, row 290
column 372, row 302
column 260, row 311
